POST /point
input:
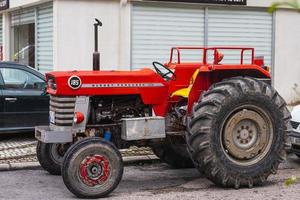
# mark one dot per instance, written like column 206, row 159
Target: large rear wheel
column 92, row 168
column 238, row 132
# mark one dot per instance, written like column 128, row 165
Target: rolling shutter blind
column 241, row 28
column 44, row 38
column 155, row 29
column 26, row 16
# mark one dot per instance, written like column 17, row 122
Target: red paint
column 90, row 161
column 159, row 97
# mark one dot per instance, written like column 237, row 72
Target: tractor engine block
column 106, row 113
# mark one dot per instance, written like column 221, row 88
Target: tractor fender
column 208, row 75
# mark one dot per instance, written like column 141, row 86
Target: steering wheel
column 164, row 75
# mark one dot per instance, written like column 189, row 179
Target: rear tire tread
column 202, row 154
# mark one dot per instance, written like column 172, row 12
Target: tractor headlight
column 51, row 83
column 78, row 117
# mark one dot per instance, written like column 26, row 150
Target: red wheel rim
column 94, row 170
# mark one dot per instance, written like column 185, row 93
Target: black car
column 24, row 103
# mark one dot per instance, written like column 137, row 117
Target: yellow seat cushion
column 186, row 91
column 182, row 92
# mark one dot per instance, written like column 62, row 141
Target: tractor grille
column 295, row 124
column 63, row 108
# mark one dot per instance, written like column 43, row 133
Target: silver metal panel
column 60, row 128
column 47, row 135
column 62, row 98
column 158, row 27
column 143, row 128
column 82, row 105
column 62, row 105
column 62, row 110
column 238, row 27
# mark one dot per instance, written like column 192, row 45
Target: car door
column 25, row 103
column 1, row 104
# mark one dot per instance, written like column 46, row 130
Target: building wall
column 21, row 3
column 287, row 55
column 74, row 34
column 74, row 38
column 75, row 50
column 259, row 3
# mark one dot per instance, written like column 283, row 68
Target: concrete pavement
column 156, row 181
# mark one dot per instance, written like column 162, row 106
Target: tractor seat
column 184, row 92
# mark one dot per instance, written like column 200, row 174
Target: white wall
column 260, row 3
column 287, row 54
column 74, row 34
column 21, row 3
column 6, row 36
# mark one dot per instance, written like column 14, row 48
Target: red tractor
column 224, row 119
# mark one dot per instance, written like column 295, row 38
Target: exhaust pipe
column 96, row 54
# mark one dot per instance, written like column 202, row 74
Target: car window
column 20, row 79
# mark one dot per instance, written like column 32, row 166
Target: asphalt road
column 156, row 181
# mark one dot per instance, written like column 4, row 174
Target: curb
column 129, row 160
column 19, row 166
column 133, row 160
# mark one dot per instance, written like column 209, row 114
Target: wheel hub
column 246, row 135
column 94, row 170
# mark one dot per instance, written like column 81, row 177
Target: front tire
column 238, row 132
column 50, row 156
column 92, row 168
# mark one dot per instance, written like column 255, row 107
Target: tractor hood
column 152, row 88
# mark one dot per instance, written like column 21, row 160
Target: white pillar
column 6, row 36
column 55, row 35
column 124, row 35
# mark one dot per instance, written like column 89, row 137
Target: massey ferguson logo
column 74, row 82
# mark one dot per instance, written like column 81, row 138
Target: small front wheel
column 50, row 156
column 92, row 168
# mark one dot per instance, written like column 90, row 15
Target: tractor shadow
column 160, row 178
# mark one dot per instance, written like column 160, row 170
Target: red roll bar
column 215, row 49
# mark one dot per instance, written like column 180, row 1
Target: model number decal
column 74, row 82
column 114, row 85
